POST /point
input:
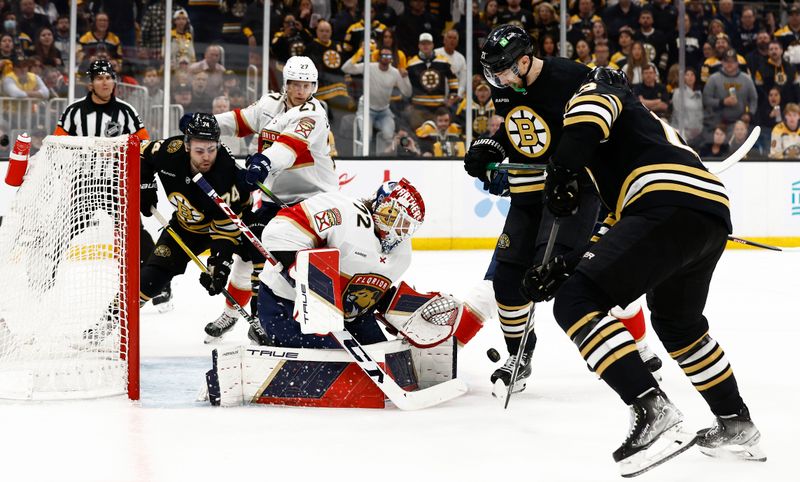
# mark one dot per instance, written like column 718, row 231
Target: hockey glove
column 258, row 166
column 148, row 197
column 498, row 184
column 215, row 279
column 561, row 191
column 481, row 153
column 541, row 282
column 184, row 122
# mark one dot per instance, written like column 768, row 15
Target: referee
column 100, row 113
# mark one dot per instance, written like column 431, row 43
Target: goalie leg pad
column 307, row 377
column 437, row 364
column 275, row 316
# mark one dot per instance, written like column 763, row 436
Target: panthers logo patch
column 362, row 292
column 527, row 131
column 162, row 251
column 327, row 219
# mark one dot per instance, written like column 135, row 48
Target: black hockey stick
column 252, row 321
column 548, row 250
column 510, row 166
column 402, row 399
column 756, row 244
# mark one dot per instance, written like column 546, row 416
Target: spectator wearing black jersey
column 652, row 94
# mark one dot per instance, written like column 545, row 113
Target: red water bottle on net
column 18, row 160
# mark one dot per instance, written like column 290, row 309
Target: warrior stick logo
column 527, row 131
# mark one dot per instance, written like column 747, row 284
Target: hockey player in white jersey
column 293, row 161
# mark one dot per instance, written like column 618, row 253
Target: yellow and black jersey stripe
column 522, row 181
column 673, row 184
column 601, row 110
column 601, row 230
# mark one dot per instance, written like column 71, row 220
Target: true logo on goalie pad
column 327, row 219
column 362, row 292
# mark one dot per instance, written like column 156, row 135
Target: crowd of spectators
column 742, row 60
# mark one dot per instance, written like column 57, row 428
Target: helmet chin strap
column 522, row 78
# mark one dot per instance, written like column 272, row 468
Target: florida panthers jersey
column 295, row 141
column 333, row 220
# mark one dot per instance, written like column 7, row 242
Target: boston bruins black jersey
column 533, row 122
column 329, row 59
column 195, row 212
column 636, row 160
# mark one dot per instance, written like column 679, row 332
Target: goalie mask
column 398, row 211
column 300, row 68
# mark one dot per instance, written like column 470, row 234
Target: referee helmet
column 101, row 66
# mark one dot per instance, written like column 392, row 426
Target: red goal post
column 69, row 256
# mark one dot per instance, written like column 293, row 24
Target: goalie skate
column 217, row 328
column 732, row 437
column 655, row 435
column 502, row 376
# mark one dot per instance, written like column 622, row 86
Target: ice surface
column 563, row 427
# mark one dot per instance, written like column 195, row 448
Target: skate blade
column 165, row 307
column 500, row 389
column 214, row 340
column 736, row 452
column 670, row 444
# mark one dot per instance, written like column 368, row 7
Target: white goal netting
column 69, row 273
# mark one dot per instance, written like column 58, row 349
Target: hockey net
column 69, row 264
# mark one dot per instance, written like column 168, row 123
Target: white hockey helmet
column 300, row 68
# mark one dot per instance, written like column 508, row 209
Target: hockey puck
column 493, row 355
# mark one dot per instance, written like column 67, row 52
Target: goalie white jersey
column 333, row 220
column 294, row 140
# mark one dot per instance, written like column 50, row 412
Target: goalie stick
column 252, row 321
column 723, row 166
column 402, row 399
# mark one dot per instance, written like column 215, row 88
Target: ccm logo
column 274, row 353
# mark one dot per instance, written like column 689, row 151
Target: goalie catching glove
column 428, row 319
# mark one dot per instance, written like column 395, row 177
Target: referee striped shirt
column 88, row 119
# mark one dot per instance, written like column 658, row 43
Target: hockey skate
column 655, row 435
column 732, row 437
column 501, row 377
column 163, row 300
column 219, row 327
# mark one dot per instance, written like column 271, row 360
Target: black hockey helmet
column 101, row 66
column 504, row 45
column 608, row 76
column 202, row 126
